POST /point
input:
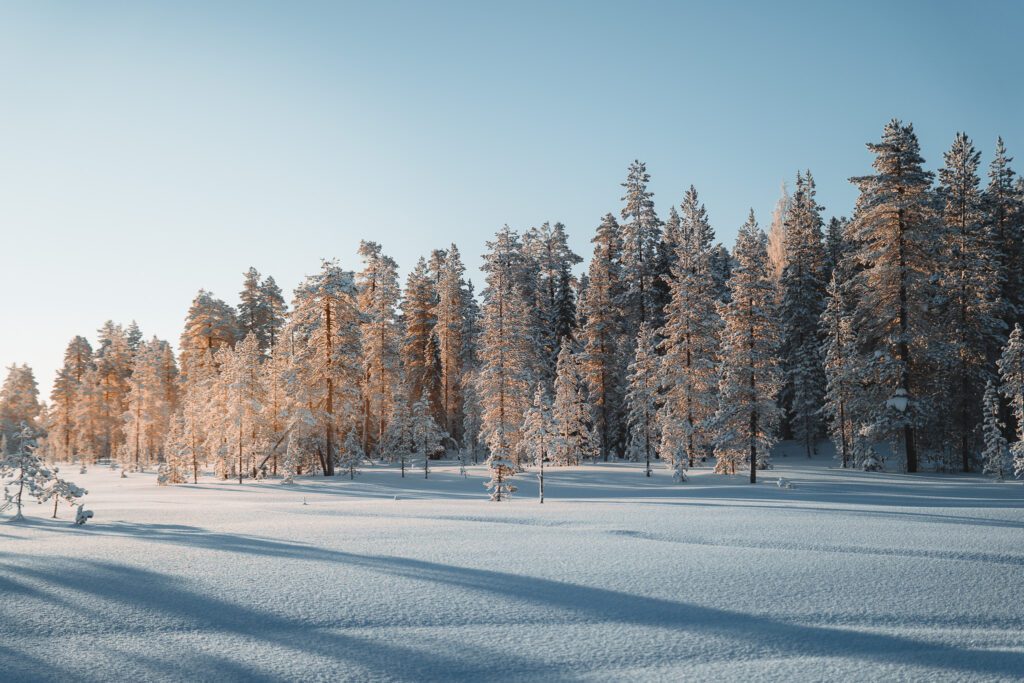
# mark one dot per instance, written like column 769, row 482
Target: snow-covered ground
column 848, row 575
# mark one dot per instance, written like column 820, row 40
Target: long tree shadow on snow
column 134, row 588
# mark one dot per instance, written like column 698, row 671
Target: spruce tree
column 506, row 348
column 571, row 409
column 643, row 400
column 802, row 302
column 378, row 294
column 894, row 228
column 602, row 337
column 969, row 282
column 692, row 329
column 748, row 415
column 540, row 434
column 641, row 232
column 996, row 454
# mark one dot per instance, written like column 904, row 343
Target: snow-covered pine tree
column 56, row 488
column 23, row 473
column 275, row 311
column 67, row 388
column 1004, row 218
column 802, row 302
column 178, row 458
column 692, row 329
column 602, row 336
column 748, row 415
column 641, row 232
column 19, row 404
column 996, row 454
column 550, row 262
column 151, row 403
column 777, row 233
column 418, row 303
column 506, row 348
column 398, row 444
column 250, row 307
column 324, row 329
column 500, row 484
column 242, row 421
column 571, row 410
column 378, row 298
column 1011, row 373
column 642, row 398
column 842, row 371
column 894, row 229
column 540, row 434
column 113, row 361
column 352, row 454
column 427, row 436
column 449, row 330
column 969, row 282
column 210, row 324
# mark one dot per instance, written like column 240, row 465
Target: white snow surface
column 847, row 576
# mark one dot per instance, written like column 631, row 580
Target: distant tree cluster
column 885, row 332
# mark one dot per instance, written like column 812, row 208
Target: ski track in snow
column 849, row 575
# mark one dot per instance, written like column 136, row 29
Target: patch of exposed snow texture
column 847, row 575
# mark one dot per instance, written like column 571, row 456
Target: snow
column 847, row 575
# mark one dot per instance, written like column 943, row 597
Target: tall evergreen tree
column 692, row 328
column 969, row 282
column 894, row 228
column 643, row 400
column 506, row 348
column 377, row 299
column 802, row 302
column 602, row 336
column 571, row 409
column 324, row 327
column 641, row 232
column 748, row 415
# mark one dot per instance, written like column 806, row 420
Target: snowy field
column 847, row 576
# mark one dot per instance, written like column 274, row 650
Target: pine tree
column 23, row 474
column 210, row 324
column 551, row 261
column 380, row 333
column 325, row 332
column 151, row 402
column 748, row 415
column 692, row 329
column 1011, row 373
column 777, row 255
column 500, row 484
column 602, row 336
column 894, row 228
column 274, row 311
column 506, row 348
column 352, row 454
column 398, row 442
column 1004, row 217
column 540, row 434
column 451, row 334
column 842, row 369
column 969, row 281
column 426, row 435
column 64, row 398
column 641, row 232
column 19, row 404
column 418, row 303
column 995, row 455
column 241, row 423
column 802, row 302
column 642, row 398
column 571, row 410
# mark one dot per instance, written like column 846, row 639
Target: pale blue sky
column 150, row 149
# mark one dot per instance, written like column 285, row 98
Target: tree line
column 894, row 333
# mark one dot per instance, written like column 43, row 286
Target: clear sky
column 150, row 149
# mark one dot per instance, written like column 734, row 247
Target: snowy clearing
column 846, row 575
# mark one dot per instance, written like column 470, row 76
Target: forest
column 894, row 333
